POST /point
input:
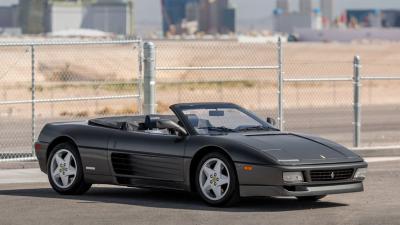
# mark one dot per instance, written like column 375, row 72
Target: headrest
column 151, row 122
column 193, row 119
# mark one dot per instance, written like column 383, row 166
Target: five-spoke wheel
column 216, row 180
column 63, row 168
column 65, row 171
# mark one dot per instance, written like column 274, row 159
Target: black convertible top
column 141, row 122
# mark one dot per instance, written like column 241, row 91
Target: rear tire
column 65, row 171
column 311, row 198
column 216, row 180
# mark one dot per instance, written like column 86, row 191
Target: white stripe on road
column 16, row 176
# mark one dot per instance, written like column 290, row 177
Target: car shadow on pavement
column 171, row 199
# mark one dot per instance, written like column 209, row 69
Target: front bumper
column 268, row 181
column 247, row 191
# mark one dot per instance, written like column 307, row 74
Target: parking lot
column 37, row 203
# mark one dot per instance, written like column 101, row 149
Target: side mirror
column 271, row 121
column 169, row 124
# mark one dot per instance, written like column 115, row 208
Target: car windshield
column 209, row 120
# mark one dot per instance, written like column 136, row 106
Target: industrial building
column 9, row 20
column 309, row 15
column 46, row 16
column 206, row 16
column 112, row 16
column 374, row 24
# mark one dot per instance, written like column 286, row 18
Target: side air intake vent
column 147, row 166
column 122, row 163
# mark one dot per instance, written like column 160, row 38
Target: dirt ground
column 81, row 71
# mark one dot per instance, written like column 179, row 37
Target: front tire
column 65, row 172
column 216, row 180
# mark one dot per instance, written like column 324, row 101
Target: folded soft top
column 128, row 122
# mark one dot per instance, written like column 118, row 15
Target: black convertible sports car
column 219, row 150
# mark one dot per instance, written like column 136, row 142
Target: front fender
column 237, row 151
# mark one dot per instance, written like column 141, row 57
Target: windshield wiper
column 220, row 129
column 250, row 128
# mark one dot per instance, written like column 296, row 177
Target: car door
column 148, row 159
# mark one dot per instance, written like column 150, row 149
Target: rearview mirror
column 169, row 124
column 271, row 121
column 216, row 113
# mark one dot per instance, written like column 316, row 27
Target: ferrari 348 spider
column 219, row 150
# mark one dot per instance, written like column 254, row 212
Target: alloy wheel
column 214, row 179
column 63, row 168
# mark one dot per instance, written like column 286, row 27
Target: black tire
column 232, row 195
column 79, row 186
column 311, row 198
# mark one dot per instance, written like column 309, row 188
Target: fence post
column 149, row 78
column 33, row 95
column 280, row 86
column 139, row 84
column 357, row 102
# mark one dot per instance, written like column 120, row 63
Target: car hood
column 295, row 149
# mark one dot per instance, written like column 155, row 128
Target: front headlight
column 293, row 177
column 360, row 174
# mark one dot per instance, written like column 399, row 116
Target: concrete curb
column 19, row 165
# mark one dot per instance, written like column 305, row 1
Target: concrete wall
column 286, row 23
column 347, row 35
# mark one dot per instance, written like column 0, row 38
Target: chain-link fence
column 322, row 96
column 222, row 71
column 62, row 81
column 308, row 88
column 313, row 90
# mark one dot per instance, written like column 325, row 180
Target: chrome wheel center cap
column 214, row 180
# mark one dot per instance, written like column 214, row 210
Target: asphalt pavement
column 26, row 198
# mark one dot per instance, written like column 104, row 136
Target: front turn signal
column 248, row 168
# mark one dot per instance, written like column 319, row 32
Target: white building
column 108, row 16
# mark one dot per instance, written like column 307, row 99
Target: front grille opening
column 331, row 175
column 296, row 188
